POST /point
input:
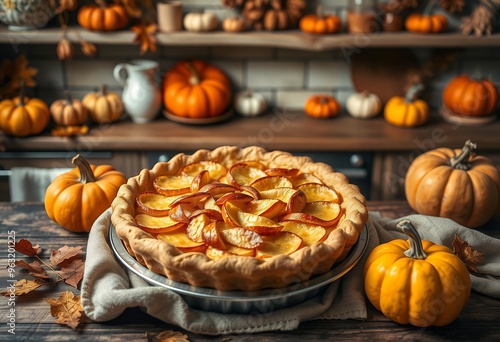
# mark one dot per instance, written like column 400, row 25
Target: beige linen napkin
column 108, row 288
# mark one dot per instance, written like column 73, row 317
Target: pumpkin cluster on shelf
column 426, row 23
column 102, row 16
column 320, row 23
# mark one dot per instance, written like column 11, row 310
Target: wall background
column 285, row 76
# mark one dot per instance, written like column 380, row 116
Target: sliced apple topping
column 321, row 213
column 211, row 235
column 153, row 203
column 218, row 189
column 211, row 204
column 172, row 185
column 242, row 174
column 269, row 208
column 235, row 217
column 200, row 180
column 318, row 192
column 194, row 199
column 216, row 254
column 281, row 171
column 283, row 194
column 303, row 178
column 241, row 237
column 309, row 233
column 216, row 170
column 180, row 240
column 236, row 198
column 278, row 244
column 194, row 230
column 156, row 225
column 181, row 212
column 297, row 202
column 271, row 182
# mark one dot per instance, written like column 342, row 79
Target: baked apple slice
column 271, row 182
column 194, row 199
column 157, row 224
column 303, row 178
column 282, row 243
column 321, row 213
column 216, row 170
column 318, row 192
column 172, row 185
column 281, row 171
column 199, row 181
column 269, row 208
column 240, row 237
column 236, row 198
column 153, row 203
column 179, row 239
column 309, row 233
column 235, row 217
column 243, row 174
column 194, row 230
column 216, row 254
column 211, row 235
column 218, row 189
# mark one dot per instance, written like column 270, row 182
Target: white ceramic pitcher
column 141, row 92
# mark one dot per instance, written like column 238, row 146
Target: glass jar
column 362, row 16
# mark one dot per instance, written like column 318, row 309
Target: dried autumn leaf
column 466, row 253
column 67, row 308
column 63, row 254
column 23, row 72
column 167, row 336
column 133, row 10
column 25, row 247
column 68, row 131
column 73, row 272
column 88, row 49
column 145, row 36
column 24, row 286
column 35, row 268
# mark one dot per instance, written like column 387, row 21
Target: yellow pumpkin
column 22, row 116
column 415, row 281
column 103, row 106
column 75, row 199
column 407, row 111
column 454, row 183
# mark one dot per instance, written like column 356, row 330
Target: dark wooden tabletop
column 479, row 320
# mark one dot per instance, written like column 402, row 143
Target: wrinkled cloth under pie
column 108, row 288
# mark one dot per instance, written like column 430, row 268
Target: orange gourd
column 407, row 111
column 103, row 17
column 454, row 183
column 103, row 106
column 195, row 89
column 466, row 96
column 320, row 24
column 422, row 23
column 68, row 111
column 415, row 281
column 322, row 106
column 22, row 116
column 75, row 199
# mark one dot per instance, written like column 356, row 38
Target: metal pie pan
column 242, row 302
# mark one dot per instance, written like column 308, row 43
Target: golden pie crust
column 239, row 272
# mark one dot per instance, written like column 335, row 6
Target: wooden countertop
column 291, row 131
column 478, row 320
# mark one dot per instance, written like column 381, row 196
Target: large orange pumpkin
column 22, row 116
column 75, row 199
column 195, row 89
column 102, row 17
column 466, row 96
column 422, row 23
column 454, row 183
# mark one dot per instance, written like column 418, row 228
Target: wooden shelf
column 293, row 39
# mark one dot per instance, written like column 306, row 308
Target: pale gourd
column 363, row 105
column 200, row 22
column 248, row 103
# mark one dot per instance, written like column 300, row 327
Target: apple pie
column 239, row 218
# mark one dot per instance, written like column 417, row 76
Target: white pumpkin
column 248, row 103
column 363, row 105
column 200, row 21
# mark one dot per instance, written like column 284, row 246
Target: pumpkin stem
column 103, row 89
column 21, row 92
column 101, row 3
column 429, row 8
column 86, row 173
column 319, row 11
column 195, row 75
column 416, row 250
column 68, row 96
column 413, row 92
column 461, row 162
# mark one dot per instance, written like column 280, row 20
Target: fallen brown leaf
column 73, row 272
column 466, row 253
column 24, row 286
column 67, row 308
column 167, row 336
column 64, row 254
column 24, row 246
column 35, row 269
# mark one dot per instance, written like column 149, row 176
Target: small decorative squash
column 200, row 21
column 276, row 19
column 195, row 89
column 75, row 199
column 319, row 23
column 103, row 106
column 456, row 184
column 234, row 24
column 322, row 106
column 407, row 111
column 363, row 105
column 248, row 103
column 416, row 281
column 422, row 23
column 466, row 96
column 103, row 17
column 22, row 116
column 68, row 111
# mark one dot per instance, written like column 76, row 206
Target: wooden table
column 479, row 320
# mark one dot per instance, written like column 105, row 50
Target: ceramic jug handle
column 118, row 74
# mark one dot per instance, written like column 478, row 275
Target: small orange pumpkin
column 103, row 17
column 319, row 23
column 421, row 23
column 195, row 89
column 68, row 111
column 22, row 116
column 407, row 111
column 75, row 199
column 322, row 106
column 234, row 24
column 466, row 96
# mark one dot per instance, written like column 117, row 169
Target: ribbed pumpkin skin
column 399, row 112
column 434, row 188
column 68, row 112
column 196, row 90
column 322, row 106
column 21, row 120
column 420, row 23
column 425, row 292
column 75, row 205
column 103, row 106
column 465, row 96
column 97, row 18
column 315, row 24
